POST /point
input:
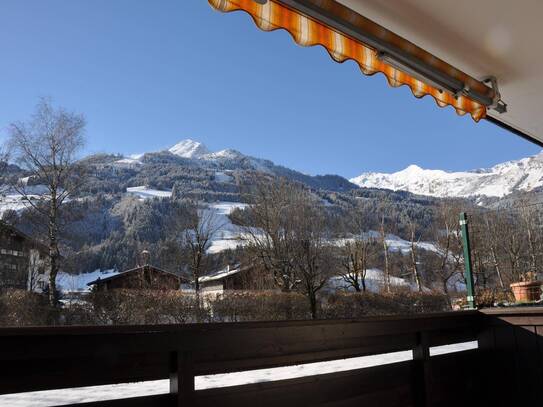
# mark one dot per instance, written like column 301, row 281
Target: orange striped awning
column 307, row 31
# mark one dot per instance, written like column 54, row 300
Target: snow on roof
column 220, row 274
column 110, row 277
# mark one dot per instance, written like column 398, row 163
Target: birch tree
column 47, row 148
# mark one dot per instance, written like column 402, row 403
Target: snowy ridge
column 228, row 154
column 194, row 150
column 503, row 179
column 189, row 149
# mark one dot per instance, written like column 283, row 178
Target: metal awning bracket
column 497, row 103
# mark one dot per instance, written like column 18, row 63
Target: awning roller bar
column 396, row 56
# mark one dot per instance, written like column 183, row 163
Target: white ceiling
column 503, row 38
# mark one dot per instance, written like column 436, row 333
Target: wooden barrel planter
column 527, row 291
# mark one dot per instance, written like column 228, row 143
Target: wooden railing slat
column 53, row 358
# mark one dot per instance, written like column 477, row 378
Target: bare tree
column 531, row 224
column 313, row 257
column 47, row 147
column 204, row 225
column 384, row 243
column 286, row 229
column 355, row 258
column 493, row 243
column 269, row 230
column 414, row 240
column 514, row 242
column 447, row 238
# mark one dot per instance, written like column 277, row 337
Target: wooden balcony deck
column 506, row 369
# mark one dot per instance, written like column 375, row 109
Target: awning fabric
column 306, row 31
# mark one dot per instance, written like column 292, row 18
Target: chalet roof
column 12, row 229
column 136, row 269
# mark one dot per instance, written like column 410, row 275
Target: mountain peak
column 189, row 149
column 413, row 168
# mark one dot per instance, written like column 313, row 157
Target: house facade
column 146, row 277
column 23, row 261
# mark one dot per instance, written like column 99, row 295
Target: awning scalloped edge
column 308, row 32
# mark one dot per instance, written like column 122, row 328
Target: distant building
column 233, row 278
column 144, row 277
column 23, row 260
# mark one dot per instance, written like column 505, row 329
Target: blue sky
column 149, row 73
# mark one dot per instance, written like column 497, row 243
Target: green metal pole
column 467, row 260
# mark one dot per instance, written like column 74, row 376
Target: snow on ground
column 12, row 200
column 228, row 235
column 144, row 192
column 109, row 392
column 71, row 283
column 128, row 162
column 394, row 243
column 220, row 176
column 375, row 282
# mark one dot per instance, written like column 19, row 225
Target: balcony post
column 467, row 260
column 421, row 374
column 182, row 378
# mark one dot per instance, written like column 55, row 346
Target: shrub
column 24, row 308
column 493, row 297
column 234, row 306
column 121, row 307
column 357, row 305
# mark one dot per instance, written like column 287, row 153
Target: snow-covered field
column 10, row 199
column 228, row 235
column 72, row 283
column 375, row 282
column 97, row 393
column 13, row 202
column 221, row 176
column 394, row 243
column 143, row 192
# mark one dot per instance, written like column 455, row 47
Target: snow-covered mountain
column 189, row 149
column 498, row 181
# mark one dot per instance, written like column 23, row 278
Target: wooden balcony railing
column 33, row 359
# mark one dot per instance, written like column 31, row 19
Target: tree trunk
column 497, row 267
column 356, row 283
column 387, row 272
column 288, row 303
column 416, row 272
column 313, row 304
column 53, row 248
column 446, row 292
